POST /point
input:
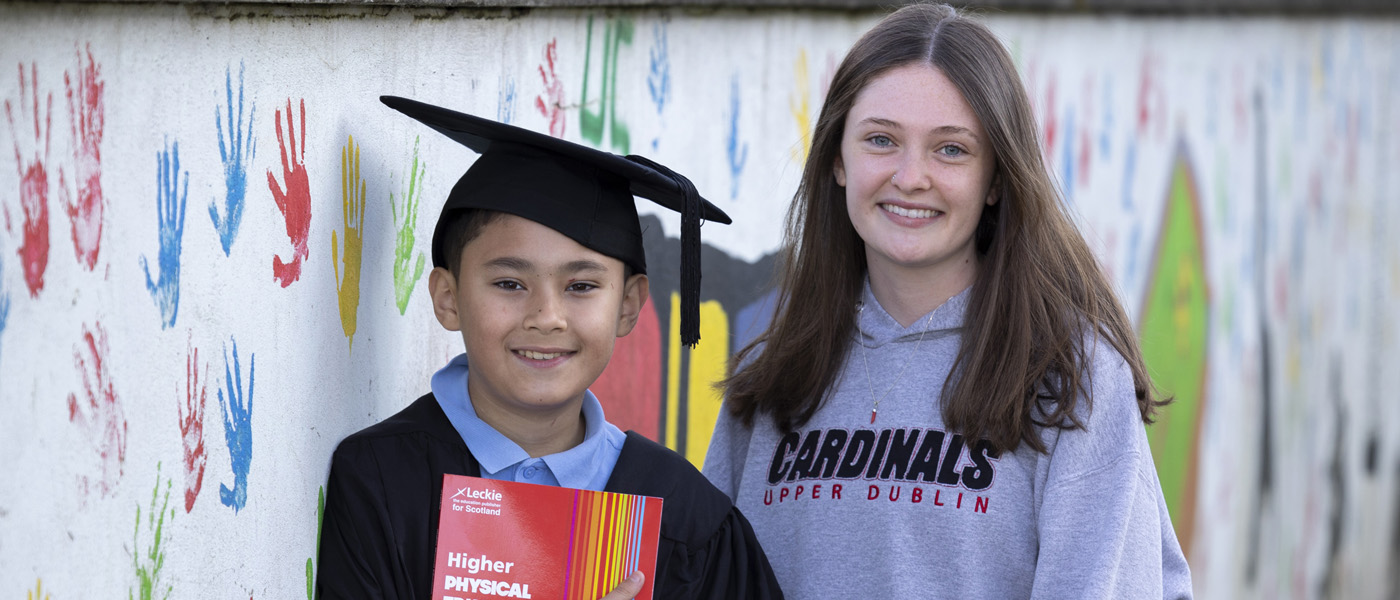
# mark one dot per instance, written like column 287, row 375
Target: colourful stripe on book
column 618, row 504
column 607, row 531
column 594, row 539
column 573, row 546
column 635, row 539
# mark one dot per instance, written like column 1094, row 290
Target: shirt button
column 530, row 472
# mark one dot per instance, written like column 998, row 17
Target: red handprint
column 86, row 117
column 295, row 200
column 192, row 429
column 1085, row 144
column 1152, row 98
column 1052, row 121
column 553, row 109
column 33, row 185
column 103, row 418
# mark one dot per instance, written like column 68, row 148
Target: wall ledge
column 1144, row 7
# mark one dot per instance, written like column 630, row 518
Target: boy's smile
column 539, row 314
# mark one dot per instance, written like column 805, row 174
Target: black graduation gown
column 382, row 502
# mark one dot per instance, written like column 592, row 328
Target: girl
column 949, row 402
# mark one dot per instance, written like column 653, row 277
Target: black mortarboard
column 583, row 193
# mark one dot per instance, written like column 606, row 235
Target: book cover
column 502, row 539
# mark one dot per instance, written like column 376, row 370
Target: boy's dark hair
column 463, row 226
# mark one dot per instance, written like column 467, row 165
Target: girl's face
column 917, row 168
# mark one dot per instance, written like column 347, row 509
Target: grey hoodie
column 905, row 508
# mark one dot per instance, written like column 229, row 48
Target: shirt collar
column 573, row 468
column 876, row 327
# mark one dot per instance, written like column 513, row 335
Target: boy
column 538, row 261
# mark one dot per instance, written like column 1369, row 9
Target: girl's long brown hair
column 1039, row 300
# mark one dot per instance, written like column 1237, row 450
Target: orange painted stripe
column 591, row 564
column 579, row 550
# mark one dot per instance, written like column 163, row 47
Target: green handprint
column 149, row 574
column 352, row 189
column 310, row 566
column 616, row 33
column 403, row 248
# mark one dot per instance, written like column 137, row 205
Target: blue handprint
column 238, row 428
column 659, row 79
column 4, row 298
column 236, row 152
column 738, row 154
column 505, row 101
column 170, row 215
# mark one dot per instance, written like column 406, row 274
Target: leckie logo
column 460, row 493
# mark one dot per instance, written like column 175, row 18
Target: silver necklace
column 875, row 408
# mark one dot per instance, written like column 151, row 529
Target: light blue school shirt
column 586, row 466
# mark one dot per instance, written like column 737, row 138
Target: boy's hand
column 403, row 246
column 627, row 588
column 170, row 215
column 295, row 200
column 352, row 190
column 235, row 153
column 85, row 114
column 33, row 184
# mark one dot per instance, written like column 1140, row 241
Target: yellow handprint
column 800, row 106
column 352, row 189
column 38, row 593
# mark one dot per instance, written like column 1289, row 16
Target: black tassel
column 690, row 251
column 690, row 266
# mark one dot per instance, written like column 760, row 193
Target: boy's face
column 539, row 314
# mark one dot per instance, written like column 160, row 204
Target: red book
column 502, row 539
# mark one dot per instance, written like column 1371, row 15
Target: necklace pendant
column 872, row 415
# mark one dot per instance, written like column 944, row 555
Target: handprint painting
column 405, row 221
column 551, row 102
column 191, row 412
column 172, row 192
column 86, row 115
column 347, row 278
column 97, row 410
column 4, row 304
column 34, row 177
column 148, row 559
column 237, row 410
column 293, row 195
column 236, row 147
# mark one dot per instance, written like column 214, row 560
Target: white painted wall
column 1286, row 126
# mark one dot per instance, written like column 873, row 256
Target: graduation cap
column 583, row 193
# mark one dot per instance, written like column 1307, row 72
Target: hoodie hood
column 875, row 327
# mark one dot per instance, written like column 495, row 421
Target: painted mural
column 1236, row 176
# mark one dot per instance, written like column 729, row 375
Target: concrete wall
column 212, row 232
